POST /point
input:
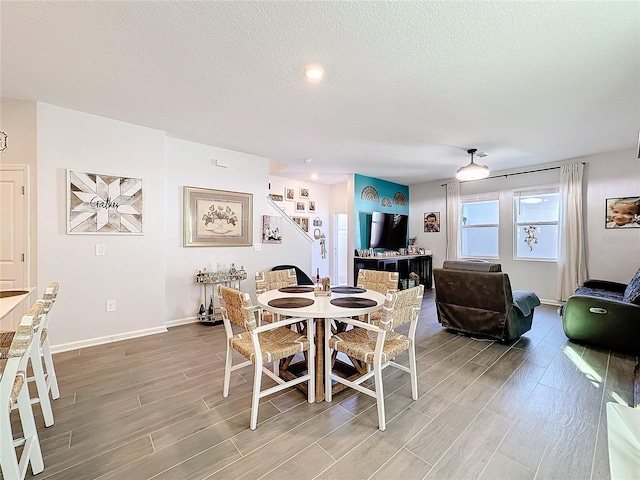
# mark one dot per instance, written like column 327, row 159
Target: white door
column 340, row 257
column 13, row 227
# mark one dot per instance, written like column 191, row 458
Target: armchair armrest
column 605, row 285
column 601, row 321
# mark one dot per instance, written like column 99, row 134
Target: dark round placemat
column 295, row 289
column 348, row 290
column 290, row 302
column 353, row 302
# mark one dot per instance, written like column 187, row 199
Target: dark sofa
column 475, row 297
column 605, row 313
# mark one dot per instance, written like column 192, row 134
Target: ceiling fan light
column 473, row 171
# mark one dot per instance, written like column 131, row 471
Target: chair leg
column 413, row 373
column 8, row 459
column 255, row 398
column 377, row 375
column 52, row 379
column 32, row 443
column 41, row 384
column 227, row 372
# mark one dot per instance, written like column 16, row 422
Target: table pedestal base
column 290, row 370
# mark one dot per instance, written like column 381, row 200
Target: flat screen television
column 388, row 230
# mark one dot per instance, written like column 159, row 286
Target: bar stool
column 15, row 394
column 43, row 375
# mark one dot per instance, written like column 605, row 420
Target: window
column 535, row 219
column 479, row 225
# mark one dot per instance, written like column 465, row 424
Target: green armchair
column 604, row 313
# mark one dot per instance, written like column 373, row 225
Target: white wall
column 133, row 270
column 190, row 164
column 319, row 193
column 611, row 254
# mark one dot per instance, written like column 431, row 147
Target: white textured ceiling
column 409, row 85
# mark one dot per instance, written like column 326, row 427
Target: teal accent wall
column 393, row 192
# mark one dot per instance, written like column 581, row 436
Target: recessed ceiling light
column 313, row 73
column 308, row 160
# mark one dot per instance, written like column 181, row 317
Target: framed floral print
column 217, row 218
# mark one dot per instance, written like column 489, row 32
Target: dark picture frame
column 432, row 222
column 622, row 212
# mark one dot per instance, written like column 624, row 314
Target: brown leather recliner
column 475, row 298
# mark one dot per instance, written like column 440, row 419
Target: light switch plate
column 257, row 247
column 111, row 305
column 101, row 249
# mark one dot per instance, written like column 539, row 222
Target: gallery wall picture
column 303, row 223
column 623, row 212
column 103, row 204
column 300, row 206
column 432, row 222
column 304, row 192
column 217, row 218
column 289, row 194
column 311, row 205
column 275, row 197
column 271, row 229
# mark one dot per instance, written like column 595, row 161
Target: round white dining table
column 320, row 310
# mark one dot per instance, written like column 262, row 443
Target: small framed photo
column 276, row 198
column 623, row 212
column 304, row 192
column 300, row 207
column 432, row 222
column 271, row 229
column 289, row 194
column 311, row 205
column 302, row 222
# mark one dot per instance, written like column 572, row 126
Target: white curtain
column 572, row 265
column 453, row 221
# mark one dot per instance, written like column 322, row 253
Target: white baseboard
column 181, row 321
column 91, row 342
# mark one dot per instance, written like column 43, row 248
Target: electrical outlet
column 101, row 249
column 257, row 247
column 111, row 305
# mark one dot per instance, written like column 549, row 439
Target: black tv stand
column 422, row 265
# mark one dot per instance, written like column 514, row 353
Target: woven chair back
column 236, row 307
column 401, row 307
column 274, row 279
column 380, row 281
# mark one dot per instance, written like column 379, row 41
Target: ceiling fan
column 473, row 171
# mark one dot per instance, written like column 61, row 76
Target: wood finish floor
column 153, row 408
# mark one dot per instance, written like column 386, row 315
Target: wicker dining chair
column 272, row 280
column 377, row 344
column 380, row 281
column 262, row 344
column 15, row 393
